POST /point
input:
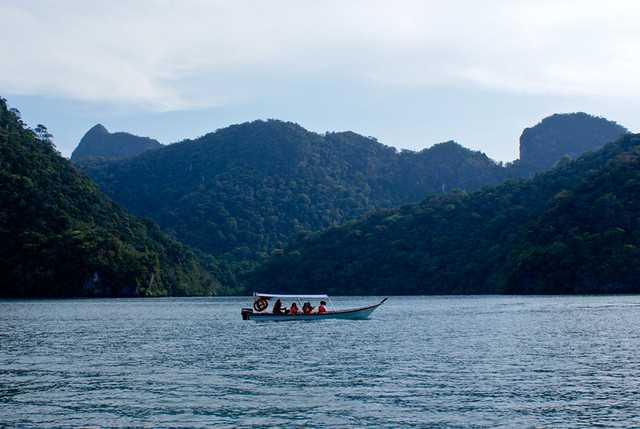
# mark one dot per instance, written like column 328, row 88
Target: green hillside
column 60, row 236
column 245, row 190
column 574, row 229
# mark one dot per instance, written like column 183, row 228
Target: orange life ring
column 260, row 304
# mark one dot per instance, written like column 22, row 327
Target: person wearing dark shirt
column 277, row 307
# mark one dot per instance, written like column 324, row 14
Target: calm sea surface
column 419, row 361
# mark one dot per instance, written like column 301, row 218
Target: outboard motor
column 245, row 313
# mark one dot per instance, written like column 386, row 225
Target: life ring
column 260, row 304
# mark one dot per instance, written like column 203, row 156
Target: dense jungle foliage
column 247, row 189
column 98, row 142
column 60, row 236
column 574, row 229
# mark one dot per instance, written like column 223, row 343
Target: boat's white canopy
column 275, row 295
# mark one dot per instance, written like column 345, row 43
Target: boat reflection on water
column 263, row 309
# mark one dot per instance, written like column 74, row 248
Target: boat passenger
column 294, row 308
column 277, row 307
column 322, row 307
column 307, row 308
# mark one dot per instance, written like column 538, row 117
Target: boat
column 262, row 309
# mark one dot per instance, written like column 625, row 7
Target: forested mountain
column 574, row 229
column 98, row 142
column 565, row 135
column 60, row 236
column 244, row 190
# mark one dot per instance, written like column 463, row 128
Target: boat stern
column 246, row 313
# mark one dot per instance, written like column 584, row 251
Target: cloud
column 166, row 55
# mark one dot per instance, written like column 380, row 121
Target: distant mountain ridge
column 565, row 135
column 247, row 189
column 98, row 142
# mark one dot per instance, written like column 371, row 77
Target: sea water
column 494, row 361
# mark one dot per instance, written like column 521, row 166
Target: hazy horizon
column 411, row 74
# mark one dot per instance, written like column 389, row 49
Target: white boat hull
column 359, row 313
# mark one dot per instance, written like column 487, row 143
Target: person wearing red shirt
column 322, row 308
column 294, row 308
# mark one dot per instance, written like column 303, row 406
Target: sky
column 410, row 73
